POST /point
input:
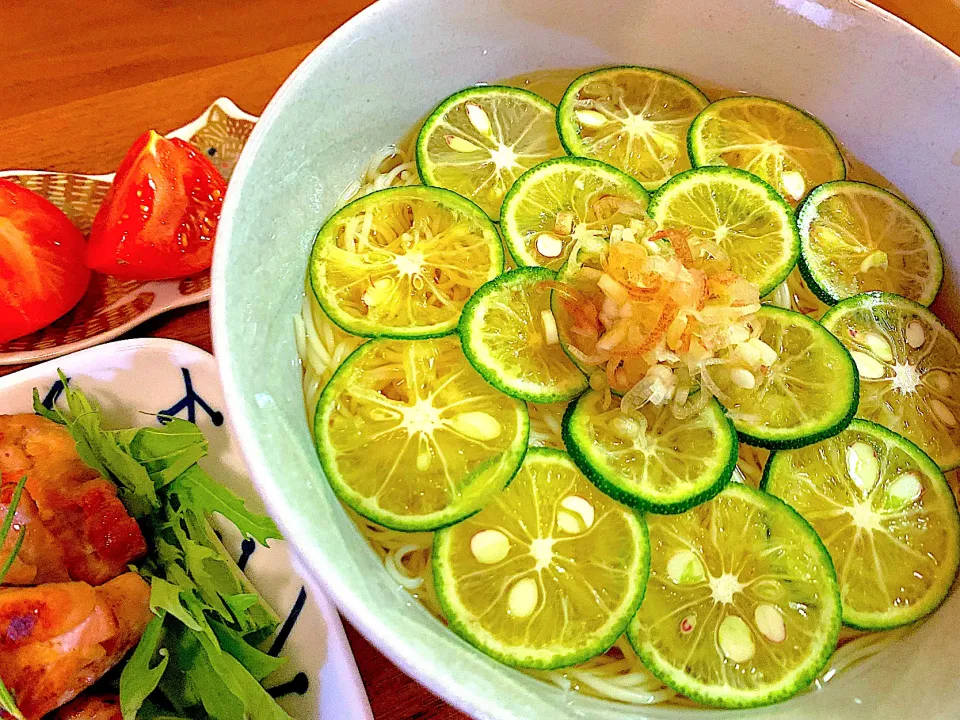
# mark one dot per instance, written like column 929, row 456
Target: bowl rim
column 383, row 635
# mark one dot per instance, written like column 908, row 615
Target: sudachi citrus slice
column 633, row 118
column 775, row 141
column 801, row 384
column 412, row 437
column 742, row 606
column 650, row 459
column 480, row 140
column 563, row 201
column 402, row 262
column 549, row 573
column 909, row 366
column 856, row 237
column 885, row 514
column 510, row 336
column 733, row 216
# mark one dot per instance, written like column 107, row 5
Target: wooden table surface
column 78, row 86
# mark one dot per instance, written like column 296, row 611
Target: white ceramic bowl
column 891, row 94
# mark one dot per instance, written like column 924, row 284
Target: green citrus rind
column 571, row 132
column 557, row 651
column 597, row 457
column 780, row 255
column 796, row 487
column 815, row 264
column 514, row 376
column 324, row 259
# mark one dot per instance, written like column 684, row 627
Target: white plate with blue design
column 134, row 381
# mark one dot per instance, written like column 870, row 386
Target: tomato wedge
column 42, row 275
column 159, row 218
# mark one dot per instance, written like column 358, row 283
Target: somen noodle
column 617, row 675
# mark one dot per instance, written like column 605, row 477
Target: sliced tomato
column 160, row 216
column 42, row 274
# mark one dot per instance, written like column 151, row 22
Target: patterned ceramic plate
column 112, row 306
column 321, row 679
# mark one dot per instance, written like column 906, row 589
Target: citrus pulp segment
column 886, row 515
column 402, row 262
column 909, row 366
column 732, row 216
column 633, row 118
column 650, row 459
column 856, row 237
column 564, row 201
column 804, row 390
column 510, row 336
column 777, row 142
column 480, row 140
column 412, row 437
column 742, row 607
column 549, row 573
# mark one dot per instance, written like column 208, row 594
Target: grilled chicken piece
column 79, row 507
column 57, row 640
column 91, row 707
column 41, row 558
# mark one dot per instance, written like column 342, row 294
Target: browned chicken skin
column 78, row 507
column 57, row 640
column 41, row 558
column 91, row 707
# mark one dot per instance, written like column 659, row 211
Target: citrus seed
column 477, row 425
column 685, row 568
column 581, row 507
column 863, row 465
column 867, row 366
column 523, row 597
column 915, row 335
column 489, row 546
column 903, row 491
column 770, row 622
column 736, row 640
column 459, row 144
column 879, row 346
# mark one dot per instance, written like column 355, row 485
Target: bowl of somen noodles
column 600, row 360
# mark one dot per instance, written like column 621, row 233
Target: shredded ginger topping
column 652, row 317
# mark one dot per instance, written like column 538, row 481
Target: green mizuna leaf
column 256, row 701
column 169, row 451
column 199, row 658
column 182, row 604
column 140, row 676
column 43, row 411
column 8, row 704
column 99, row 449
column 258, row 663
column 197, row 490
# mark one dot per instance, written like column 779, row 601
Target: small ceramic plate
column 112, row 306
column 134, row 380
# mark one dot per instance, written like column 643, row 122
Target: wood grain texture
column 80, row 81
